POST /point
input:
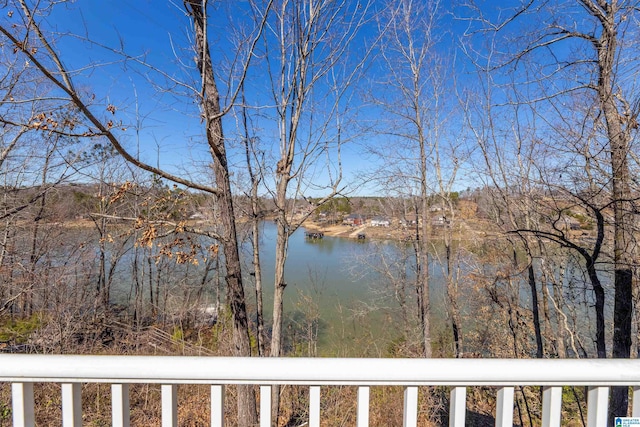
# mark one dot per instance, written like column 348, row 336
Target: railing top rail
column 318, row 371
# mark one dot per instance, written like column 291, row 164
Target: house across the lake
column 379, row 221
column 409, row 220
column 353, row 219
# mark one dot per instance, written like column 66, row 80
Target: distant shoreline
column 351, row 232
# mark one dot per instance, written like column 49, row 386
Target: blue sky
column 142, row 30
column 167, row 118
column 158, row 33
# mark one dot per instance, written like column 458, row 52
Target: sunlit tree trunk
column 619, row 139
column 306, row 43
column 247, row 413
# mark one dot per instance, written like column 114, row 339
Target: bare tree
column 30, row 40
column 255, row 170
column 32, row 168
column 309, row 42
column 583, row 47
column 310, row 72
column 425, row 160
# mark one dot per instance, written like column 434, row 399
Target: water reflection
column 333, row 289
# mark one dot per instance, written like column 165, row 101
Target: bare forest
column 487, row 151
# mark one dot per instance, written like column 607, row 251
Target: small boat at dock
column 313, row 234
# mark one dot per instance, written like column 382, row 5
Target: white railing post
column 217, row 406
column 551, row 406
column 22, row 404
column 72, row 405
column 314, row 406
column 410, row 418
column 597, row 405
column 120, row 412
column 363, row 407
column 635, row 412
column 458, row 407
column 265, row 406
column 169, row 405
column 504, row 407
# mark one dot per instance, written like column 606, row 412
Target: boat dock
column 313, row 234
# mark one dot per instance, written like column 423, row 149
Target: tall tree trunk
column 535, row 309
column 247, row 414
column 280, row 285
column 257, row 271
column 619, row 145
column 598, row 290
column 422, row 267
column 452, row 293
column 282, row 242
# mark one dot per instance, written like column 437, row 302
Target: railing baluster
column 597, row 401
column 363, row 407
column 551, row 406
column 458, row 407
column 635, row 412
column 314, row 406
column 120, row 413
column 169, row 405
column 217, row 405
column 504, row 407
column 265, row 406
column 22, row 404
column 410, row 418
column 72, row 405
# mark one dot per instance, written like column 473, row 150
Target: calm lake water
column 334, row 295
column 337, row 293
column 335, row 279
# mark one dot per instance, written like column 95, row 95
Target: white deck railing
column 120, row 371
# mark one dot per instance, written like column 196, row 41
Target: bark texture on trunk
column 619, row 137
column 282, row 243
column 247, row 414
column 422, row 266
